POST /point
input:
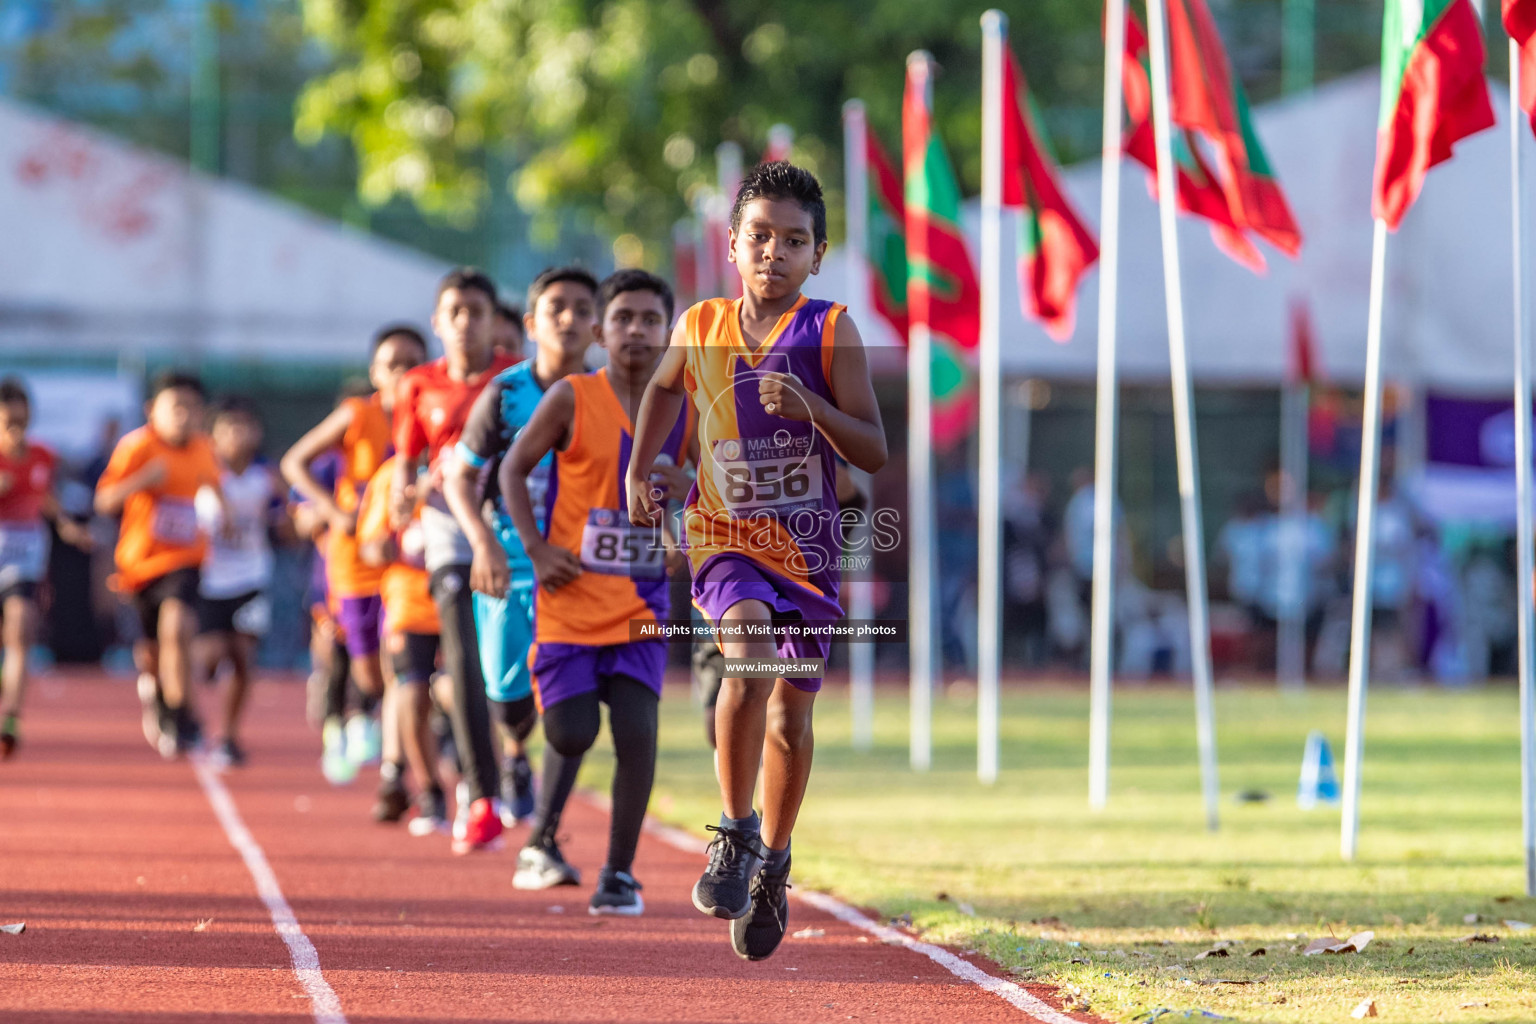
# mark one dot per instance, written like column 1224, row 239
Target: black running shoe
column 188, row 732
column 617, row 893
column 392, row 802
column 228, row 754
column 516, row 791
column 723, row 890
column 757, row 935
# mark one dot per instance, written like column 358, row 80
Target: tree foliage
column 615, row 107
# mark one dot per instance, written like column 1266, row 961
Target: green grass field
column 1113, row 906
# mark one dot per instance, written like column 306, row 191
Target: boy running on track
column 433, row 402
column 781, row 384
column 152, row 481
column 598, row 575
column 564, row 325
column 26, row 500
column 359, row 428
column 234, row 614
column 411, row 639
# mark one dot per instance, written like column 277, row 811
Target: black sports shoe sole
column 717, row 911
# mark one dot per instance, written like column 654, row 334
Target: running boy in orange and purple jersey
column 780, row 383
column 26, row 501
column 598, row 577
column 430, row 410
column 152, row 481
column 359, row 430
column 411, row 639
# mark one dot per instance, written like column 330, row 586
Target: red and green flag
column 1520, row 23
column 1432, row 95
column 1054, row 246
column 942, row 289
column 1223, row 175
column 887, row 241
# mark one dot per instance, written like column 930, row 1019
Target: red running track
column 139, row 909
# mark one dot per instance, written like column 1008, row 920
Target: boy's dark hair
column 235, row 406
column 465, row 278
column 552, row 276
column 14, row 392
column 621, row 281
column 783, row 180
column 400, row 330
column 176, row 380
column 509, row 311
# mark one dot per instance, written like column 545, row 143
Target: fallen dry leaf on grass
column 1470, row 1006
column 1479, row 937
column 1261, row 951
column 14, row 929
column 1049, row 922
column 1354, row 944
column 1216, row 951
column 1365, row 1009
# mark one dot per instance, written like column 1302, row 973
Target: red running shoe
column 482, row 830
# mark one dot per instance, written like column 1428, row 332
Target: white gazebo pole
column 1183, row 417
column 861, row 656
column 1294, row 571
column 1107, row 416
column 989, row 608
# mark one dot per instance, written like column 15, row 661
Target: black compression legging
column 461, row 658
column 337, row 673
column 570, row 729
column 518, row 717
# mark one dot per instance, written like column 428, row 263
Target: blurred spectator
column 1028, row 530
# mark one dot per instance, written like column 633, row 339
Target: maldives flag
column 1223, row 173
column 942, row 290
column 1520, row 23
column 1301, row 367
column 685, row 263
column 1432, row 95
column 887, row 242
column 1054, row 247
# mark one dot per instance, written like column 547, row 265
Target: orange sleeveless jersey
column 720, row 376
column 403, row 585
column 364, row 447
column 623, row 574
column 159, row 532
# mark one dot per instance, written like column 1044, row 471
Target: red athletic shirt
column 30, row 481
column 431, row 407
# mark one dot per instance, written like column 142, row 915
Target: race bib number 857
column 611, row 545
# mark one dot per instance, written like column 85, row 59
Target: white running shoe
column 365, row 739
column 335, row 765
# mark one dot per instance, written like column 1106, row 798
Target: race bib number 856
column 755, row 476
column 611, row 545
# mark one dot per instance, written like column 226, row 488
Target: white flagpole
column 1365, row 552
column 728, row 180
column 781, row 140
column 1526, row 559
column 989, row 607
column 1295, row 577
column 1183, row 417
column 922, row 574
column 1107, row 417
column 861, row 656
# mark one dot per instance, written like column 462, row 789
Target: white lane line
column 306, row 962
column 1007, row 991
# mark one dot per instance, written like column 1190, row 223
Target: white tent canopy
column 1448, row 299
column 110, row 249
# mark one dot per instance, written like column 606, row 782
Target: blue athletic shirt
column 499, row 414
